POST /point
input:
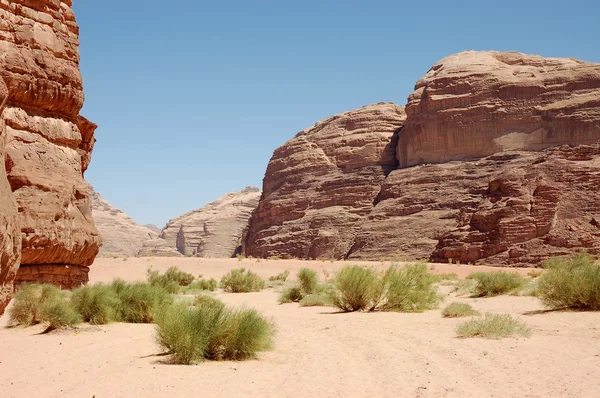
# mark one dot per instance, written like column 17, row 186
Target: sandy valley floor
column 317, row 353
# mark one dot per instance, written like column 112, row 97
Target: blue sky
column 192, row 97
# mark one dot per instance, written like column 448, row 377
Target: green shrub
column 497, row 282
column 459, row 310
column 308, row 280
column 171, row 280
column 42, row 303
column 242, row 281
column 205, row 299
column 357, row 288
column 571, row 283
column 97, row 304
column 535, row 273
column 317, row 300
column 291, row 295
column 409, row 289
column 493, row 326
column 202, row 284
column 446, row 277
column 138, row 302
column 466, row 287
column 213, row 332
column 280, row 277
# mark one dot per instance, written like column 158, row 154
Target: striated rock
column 474, row 104
column 120, row 234
column 153, row 228
column 158, row 247
column 497, row 163
column 48, row 144
column 10, row 234
column 215, row 230
column 320, row 185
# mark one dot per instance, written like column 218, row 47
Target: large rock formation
column 158, row 247
column 48, row 144
column 320, row 186
column 214, row 230
column 10, row 235
column 513, row 140
column 120, row 234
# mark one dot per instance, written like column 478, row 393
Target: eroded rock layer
column 158, row 247
column 120, row 234
column 320, row 185
column 10, row 234
column 48, row 144
column 216, row 229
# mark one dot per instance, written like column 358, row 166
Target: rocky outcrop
column 474, row 104
column 320, row 186
column 158, row 248
column 120, row 235
column 497, row 163
column 48, row 144
column 215, row 230
column 153, row 228
column 10, row 234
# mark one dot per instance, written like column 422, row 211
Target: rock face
column 214, row 230
column 320, row 186
column 158, row 247
column 120, row 234
column 10, row 234
column 48, row 144
column 497, row 163
column 474, row 104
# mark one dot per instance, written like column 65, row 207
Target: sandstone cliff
column 320, row 185
column 513, row 139
column 158, row 247
column 120, row 234
column 48, row 144
column 10, row 235
column 214, row 230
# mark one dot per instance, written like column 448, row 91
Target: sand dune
column 317, row 353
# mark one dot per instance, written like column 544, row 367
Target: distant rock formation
column 153, row 228
column 158, row 248
column 497, row 162
column 215, row 230
column 320, row 185
column 47, row 144
column 120, row 234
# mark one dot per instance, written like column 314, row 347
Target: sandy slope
column 317, row 353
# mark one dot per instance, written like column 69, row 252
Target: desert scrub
column 308, row 280
column 459, row 310
column 211, row 331
column 139, row 302
column 291, row 295
column 171, row 280
column 317, row 300
column 202, row 284
column 466, row 287
column 357, row 288
column 496, row 283
column 282, row 277
column 493, row 326
column 242, row 281
column 42, row 303
column 409, row 289
column 570, row 283
column 97, row 304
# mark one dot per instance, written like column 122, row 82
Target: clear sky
column 192, row 96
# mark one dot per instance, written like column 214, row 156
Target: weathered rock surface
column 497, row 163
column 120, row 234
column 10, row 234
column 216, row 229
column 48, row 144
column 153, row 228
column 320, row 185
column 474, row 104
column 158, row 247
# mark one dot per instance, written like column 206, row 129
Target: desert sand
column 317, row 352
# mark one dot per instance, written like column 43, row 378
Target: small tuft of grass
column 316, row 300
column 97, row 304
column 291, row 295
column 493, row 326
column 308, row 280
column 497, row 283
column 171, row 280
column 202, row 284
column 280, row 277
column 570, row 283
column 446, row 277
column 212, row 331
column 242, row 281
column 459, row 310
column 535, row 273
column 466, row 287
